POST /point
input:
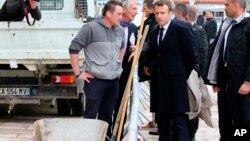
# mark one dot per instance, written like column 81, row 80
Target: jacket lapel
column 155, row 36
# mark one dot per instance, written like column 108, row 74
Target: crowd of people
column 181, row 43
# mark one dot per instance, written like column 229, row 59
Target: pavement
column 16, row 130
column 20, row 128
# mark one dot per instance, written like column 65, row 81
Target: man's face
column 116, row 15
column 162, row 14
column 208, row 15
column 229, row 8
column 131, row 11
column 147, row 10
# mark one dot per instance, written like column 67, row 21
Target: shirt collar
column 241, row 17
column 125, row 24
column 166, row 25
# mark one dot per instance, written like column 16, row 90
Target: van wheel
column 63, row 107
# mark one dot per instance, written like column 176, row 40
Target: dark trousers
column 173, row 127
column 193, row 126
column 122, row 85
column 100, row 100
column 225, row 121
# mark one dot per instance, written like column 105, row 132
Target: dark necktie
column 160, row 37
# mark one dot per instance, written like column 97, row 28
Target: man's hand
column 32, row 4
column 146, row 71
column 132, row 50
column 215, row 89
column 85, row 76
column 244, row 88
column 131, row 56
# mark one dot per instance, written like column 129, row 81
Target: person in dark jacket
column 183, row 14
column 180, row 17
column 200, row 39
column 12, row 10
column 229, row 68
column 169, row 61
column 200, row 19
column 102, row 42
column 210, row 26
column 130, row 11
column 148, row 9
column 201, row 47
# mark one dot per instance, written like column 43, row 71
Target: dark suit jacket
column 237, row 70
column 196, row 52
column 125, row 64
column 151, row 22
column 170, row 66
column 200, row 20
column 201, row 45
column 211, row 29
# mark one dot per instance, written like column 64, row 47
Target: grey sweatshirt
column 101, row 48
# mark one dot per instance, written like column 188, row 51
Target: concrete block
column 69, row 129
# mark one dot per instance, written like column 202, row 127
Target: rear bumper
column 36, row 93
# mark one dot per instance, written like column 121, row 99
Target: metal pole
column 134, row 111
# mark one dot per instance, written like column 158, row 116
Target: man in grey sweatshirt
column 102, row 41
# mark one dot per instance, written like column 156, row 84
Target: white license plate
column 14, row 91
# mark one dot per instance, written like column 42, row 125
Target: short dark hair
column 169, row 3
column 181, row 7
column 110, row 6
column 150, row 3
column 210, row 12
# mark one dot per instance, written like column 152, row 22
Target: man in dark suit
column 181, row 13
column 210, row 26
column 130, row 11
column 148, row 9
column 229, row 68
column 200, row 39
column 180, row 17
column 169, row 61
column 200, row 20
column 201, row 44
